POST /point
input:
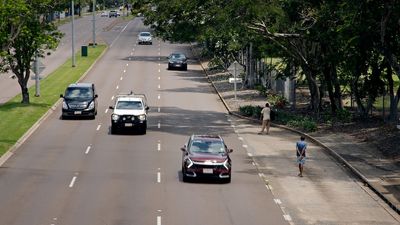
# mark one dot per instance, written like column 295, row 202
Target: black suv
column 80, row 99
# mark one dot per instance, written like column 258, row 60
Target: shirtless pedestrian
column 266, row 118
column 301, row 147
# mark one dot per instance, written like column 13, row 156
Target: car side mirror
column 147, row 108
column 183, row 149
column 230, row 150
column 96, row 96
column 61, row 96
column 111, row 107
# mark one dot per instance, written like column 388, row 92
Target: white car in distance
column 145, row 38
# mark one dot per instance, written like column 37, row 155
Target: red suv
column 206, row 156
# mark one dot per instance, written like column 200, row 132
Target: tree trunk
column 314, row 90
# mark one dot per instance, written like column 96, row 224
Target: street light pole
column 73, row 33
column 94, row 23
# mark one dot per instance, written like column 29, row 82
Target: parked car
column 177, row 61
column 145, row 38
column 206, row 156
column 113, row 13
column 79, row 99
column 130, row 113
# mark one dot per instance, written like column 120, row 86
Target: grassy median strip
column 17, row 118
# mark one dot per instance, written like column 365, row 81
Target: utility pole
column 37, row 78
column 94, row 23
column 73, row 33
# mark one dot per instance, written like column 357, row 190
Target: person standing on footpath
column 301, row 147
column 266, row 118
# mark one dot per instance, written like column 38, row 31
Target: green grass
column 17, row 118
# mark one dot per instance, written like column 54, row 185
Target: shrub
column 277, row 100
column 344, row 116
column 261, row 90
column 250, row 111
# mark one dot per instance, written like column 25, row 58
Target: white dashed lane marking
column 71, row 184
column 244, row 146
column 159, row 109
column 159, row 96
column 98, row 127
column 106, row 111
column 158, row 220
column 158, row 176
column 117, row 87
column 88, row 150
column 159, row 125
column 112, row 97
column 159, row 147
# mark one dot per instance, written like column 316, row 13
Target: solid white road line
column 72, row 182
column 98, row 127
column 88, row 150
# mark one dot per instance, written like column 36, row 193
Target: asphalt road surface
column 74, row 172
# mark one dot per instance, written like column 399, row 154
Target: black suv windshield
column 129, row 105
column 77, row 92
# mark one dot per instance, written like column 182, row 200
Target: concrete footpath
column 344, row 182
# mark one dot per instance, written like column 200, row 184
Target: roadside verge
column 19, row 121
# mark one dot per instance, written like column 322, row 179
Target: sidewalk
column 336, row 177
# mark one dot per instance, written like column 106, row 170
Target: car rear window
column 145, row 34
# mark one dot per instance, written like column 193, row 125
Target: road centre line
column 98, row 127
column 159, row 96
column 88, row 149
column 112, row 97
column 121, row 78
column 72, row 182
column 159, row 125
column 158, row 177
column 106, row 111
column 159, row 147
column 117, row 87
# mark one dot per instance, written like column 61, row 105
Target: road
column 75, row 172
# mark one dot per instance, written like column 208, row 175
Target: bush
column 344, row 116
column 277, row 100
column 250, row 111
column 261, row 90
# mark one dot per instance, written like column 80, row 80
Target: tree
column 35, row 35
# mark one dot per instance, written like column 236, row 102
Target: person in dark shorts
column 301, row 147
